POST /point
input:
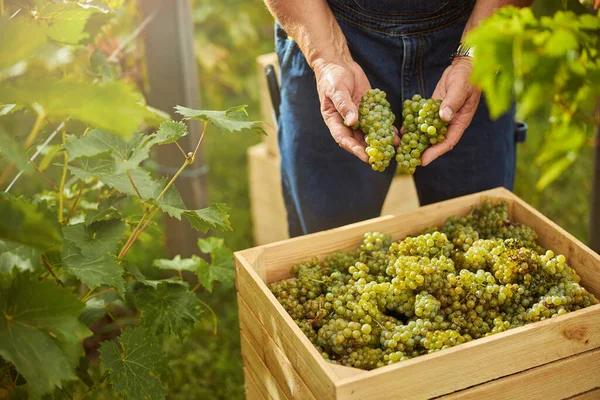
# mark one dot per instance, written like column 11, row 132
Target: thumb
column 456, row 95
column 343, row 103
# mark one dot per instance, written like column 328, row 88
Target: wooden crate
column 266, row 107
column 266, row 201
column 553, row 359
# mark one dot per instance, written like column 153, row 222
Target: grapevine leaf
column 40, row 332
column 141, row 278
column 93, row 269
column 178, row 263
column 95, row 308
column 23, row 223
column 12, row 151
column 137, row 367
column 111, row 106
column 231, row 120
column 100, row 65
column 169, row 132
column 14, row 255
column 555, row 170
column 105, row 209
column 97, row 239
column 127, row 154
column 31, row 37
column 221, row 268
column 68, row 20
column 214, row 217
column 168, row 308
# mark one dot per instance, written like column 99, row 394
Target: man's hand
column 341, row 86
column 459, row 102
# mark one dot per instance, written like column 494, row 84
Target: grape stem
column 49, row 268
column 63, row 179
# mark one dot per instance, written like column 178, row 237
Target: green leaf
column 139, row 277
column 12, row 150
column 93, row 270
column 18, row 256
column 137, row 365
column 68, row 20
column 178, row 263
column 168, row 309
column 100, row 65
column 97, row 239
column 112, row 106
column 231, row 120
column 169, row 132
column 555, row 170
column 221, row 268
column 23, row 223
column 40, row 332
column 561, row 42
column 31, row 36
column 214, row 217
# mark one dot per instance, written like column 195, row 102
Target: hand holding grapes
column 341, row 86
column 459, row 102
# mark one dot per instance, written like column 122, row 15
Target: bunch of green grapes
column 376, row 121
column 423, row 127
column 386, row 302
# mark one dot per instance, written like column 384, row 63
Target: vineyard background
column 229, row 36
column 566, row 201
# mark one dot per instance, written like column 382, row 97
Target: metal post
column 173, row 80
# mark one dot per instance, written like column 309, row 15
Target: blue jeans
column 403, row 46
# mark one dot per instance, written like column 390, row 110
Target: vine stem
column 199, row 141
column 39, row 171
column 63, row 178
column 133, row 184
column 97, row 294
column 72, row 210
column 35, row 129
column 49, row 268
column 213, row 314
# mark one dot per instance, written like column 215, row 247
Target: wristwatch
column 463, row 50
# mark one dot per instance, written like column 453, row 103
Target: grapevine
column 387, row 302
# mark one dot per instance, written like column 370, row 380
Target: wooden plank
column 585, row 261
column 593, row 394
column 343, row 372
column 272, row 356
column 282, row 255
column 401, row 196
column 252, row 392
column 556, row 380
column 269, row 216
column 284, row 331
column 260, row 373
column 266, row 107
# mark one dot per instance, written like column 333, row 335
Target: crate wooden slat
column 566, row 348
column 546, row 382
column 593, row 394
column 251, row 388
column 266, row 201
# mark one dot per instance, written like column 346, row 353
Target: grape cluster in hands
column 423, row 127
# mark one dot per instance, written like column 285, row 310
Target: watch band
column 463, row 50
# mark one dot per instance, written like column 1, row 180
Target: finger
column 342, row 101
column 396, row 137
column 343, row 135
column 457, row 93
column 452, row 137
column 440, row 89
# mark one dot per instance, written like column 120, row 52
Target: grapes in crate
column 387, row 301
